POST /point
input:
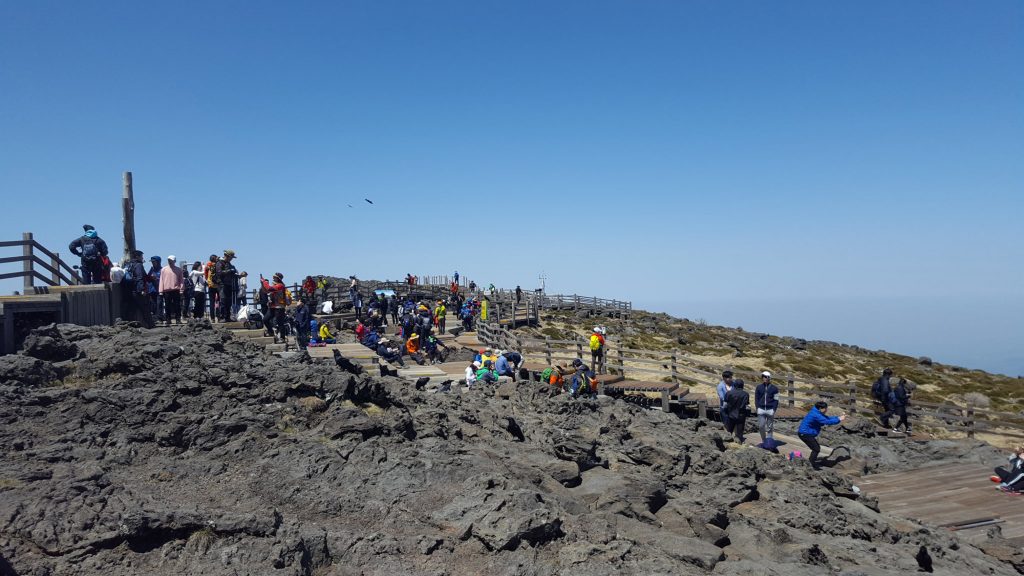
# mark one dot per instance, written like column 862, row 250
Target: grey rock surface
column 183, row 451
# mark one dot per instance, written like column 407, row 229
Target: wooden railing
column 798, row 391
column 577, row 302
column 58, row 270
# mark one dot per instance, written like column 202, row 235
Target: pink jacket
column 171, row 279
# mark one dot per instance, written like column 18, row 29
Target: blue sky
column 665, row 152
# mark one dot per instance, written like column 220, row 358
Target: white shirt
column 198, row 280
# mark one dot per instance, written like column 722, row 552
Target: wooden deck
column 947, row 495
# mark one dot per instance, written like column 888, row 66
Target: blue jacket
column 812, row 423
column 502, row 366
column 721, row 393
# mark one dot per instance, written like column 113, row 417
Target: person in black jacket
column 737, row 406
column 134, row 285
column 1011, row 479
column 898, row 401
column 227, row 279
column 302, row 319
column 880, row 394
column 91, row 249
column 766, row 400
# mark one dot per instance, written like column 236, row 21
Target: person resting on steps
column 325, row 334
column 487, row 374
column 1011, row 479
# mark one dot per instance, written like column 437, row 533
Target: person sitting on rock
column 487, row 374
column 471, row 373
column 1012, row 479
column 737, row 406
column 390, row 353
column 325, row 334
column 504, row 367
column 811, row 426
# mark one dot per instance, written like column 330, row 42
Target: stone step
column 276, row 347
column 255, row 333
column 414, row 372
column 262, row 340
column 230, row 325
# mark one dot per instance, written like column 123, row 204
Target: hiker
column 309, row 290
column 412, row 348
column 424, row 322
column 277, row 296
column 519, row 294
column 242, row 294
column 487, row 374
column 394, row 307
column 766, row 401
column 322, row 284
column 1011, row 479
column 472, row 286
column 880, row 393
column 515, row 359
column 467, row 318
column 212, row 287
column 440, row 311
column 389, row 353
column 811, row 426
column 471, row 373
column 456, row 276
column 436, row 351
column 156, row 303
column 353, row 287
column 303, row 317
column 724, row 385
column 357, row 303
column 899, row 399
column 170, row 287
column 737, row 406
column 553, row 376
column 504, row 368
column 582, row 381
column 198, row 281
column 325, row 335
column 360, row 330
column 90, row 249
column 135, row 279
column 227, row 280
column 597, row 349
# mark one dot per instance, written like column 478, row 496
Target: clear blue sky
column 664, row 152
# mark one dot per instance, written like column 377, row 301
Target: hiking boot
column 896, row 430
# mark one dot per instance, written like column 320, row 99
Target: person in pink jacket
column 172, row 280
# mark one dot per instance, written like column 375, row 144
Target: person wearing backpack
column 766, row 401
column 597, row 349
column 91, row 250
column 278, row 302
column 900, row 399
column 737, row 406
column 880, row 392
column 302, row 319
column 134, row 285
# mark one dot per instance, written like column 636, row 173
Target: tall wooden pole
column 128, row 216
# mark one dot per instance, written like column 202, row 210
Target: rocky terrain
column 182, row 451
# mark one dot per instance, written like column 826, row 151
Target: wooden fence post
column 852, row 389
column 622, row 361
column 790, row 391
column 675, row 376
column 55, row 275
column 128, row 216
column 547, row 350
column 579, row 348
column 26, row 266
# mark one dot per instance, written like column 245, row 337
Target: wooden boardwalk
column 946, row 495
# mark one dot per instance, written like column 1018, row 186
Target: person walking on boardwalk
column 1011, row 479
column 440, row 312
column 766, row 401
column 597, row 349
column 899, row 399
column 737, row 406
column 811, row 426
column 227, row 280
column 198, row 289
column 91, row 250
column 172, row 282
column 723, row 388
column 135, row 281
column 519, row 294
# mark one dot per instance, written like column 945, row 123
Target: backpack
column 891, row 398
column 877, row 391
column 90, row 254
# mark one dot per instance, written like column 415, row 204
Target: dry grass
column 201, row 541
column 312, row 404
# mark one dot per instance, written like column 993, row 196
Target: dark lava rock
column 184, row 451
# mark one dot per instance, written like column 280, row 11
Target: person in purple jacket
column 811, row 426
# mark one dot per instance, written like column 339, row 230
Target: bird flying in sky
column 368, row 200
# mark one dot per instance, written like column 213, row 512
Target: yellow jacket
column 325, row 332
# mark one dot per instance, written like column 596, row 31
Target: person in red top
column 360, row 331
column 278, row 297
column 309, row 289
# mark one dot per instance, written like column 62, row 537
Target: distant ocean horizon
column 971, row 333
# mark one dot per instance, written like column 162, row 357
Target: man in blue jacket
column 766, row 400
column 811, row 426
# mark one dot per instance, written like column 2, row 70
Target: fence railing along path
column 57, row 270
column 796, row 391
